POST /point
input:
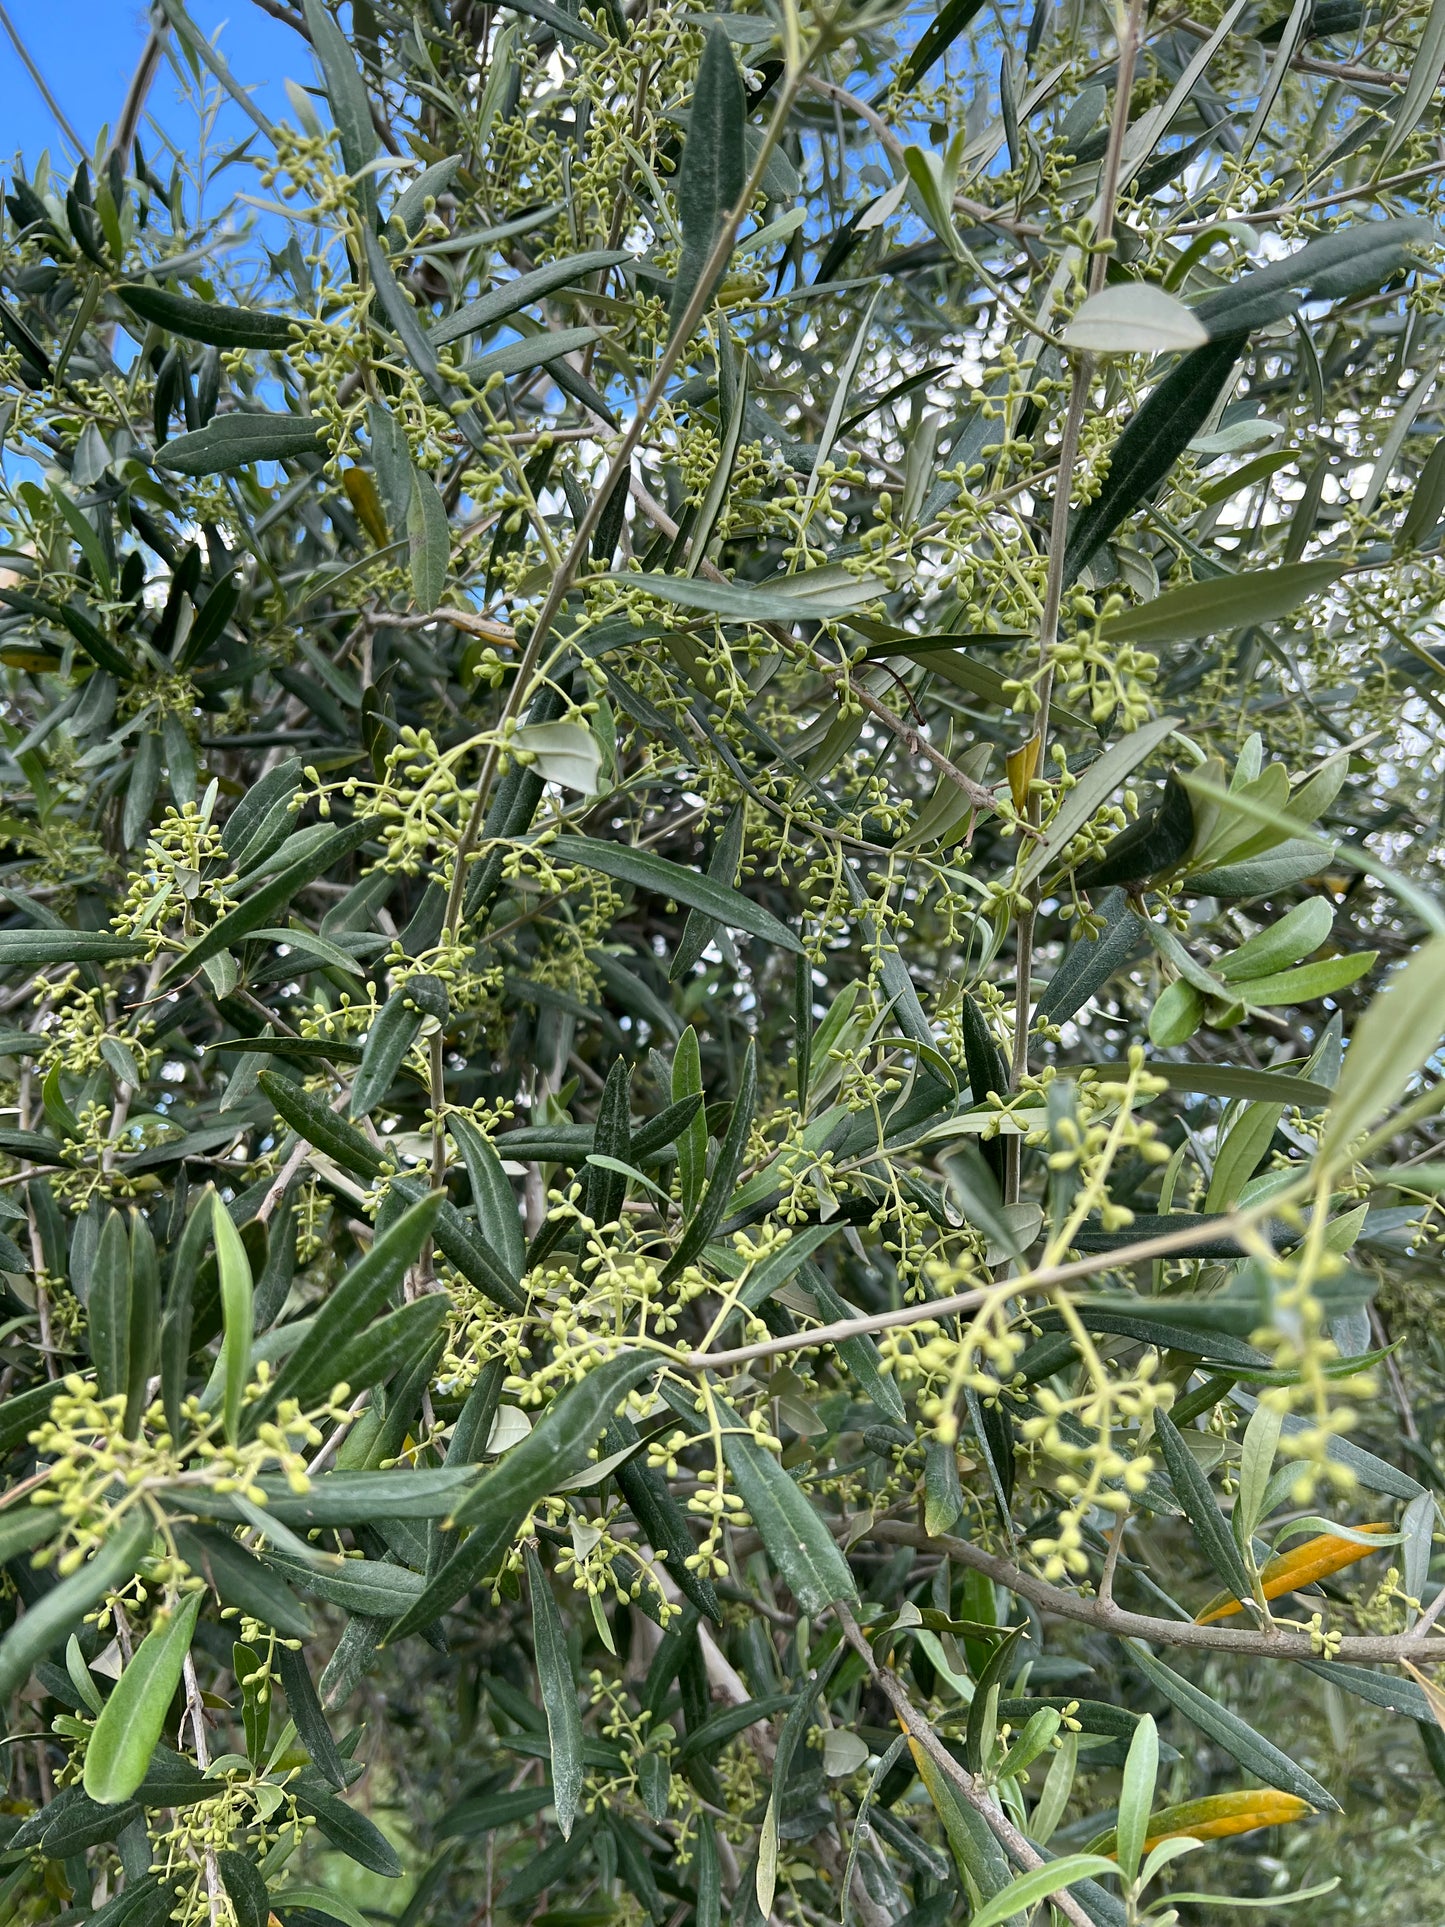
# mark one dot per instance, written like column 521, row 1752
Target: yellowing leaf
column 1021, row 764
column 362, row 495
column 1216, row 1818
column 1315, row 1559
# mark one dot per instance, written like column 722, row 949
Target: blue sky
column 87, row 51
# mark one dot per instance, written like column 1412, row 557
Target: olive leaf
column 797, row 1541
column 130, row 1723
column 559, row 1696
column 236, row 441
column 237, row 1313
column 215, row 322
column 711, row 178
column 1152, row 443
column 428, row 540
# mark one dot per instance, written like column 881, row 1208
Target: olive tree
column 722, row 957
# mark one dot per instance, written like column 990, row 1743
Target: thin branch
column 1081, row 377
column 1427, row 1618
column 282, row 1179
column 1163, row 1246
column 196, row 1710
column 333, row 1445
column 1111, row 1562
column 1357, row 191
column 980, row 797
column 618, row 467
column 1114, row 153
column 1021, row 1851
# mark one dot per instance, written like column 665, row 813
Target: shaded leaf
column 1192, row 1490
column 273, row 895
column 428, row 540
column 356, row 1836
column 798, row 1544
column 510, row 296
column 553, row 1450
column 794, row 598
column 713, row 171
column 1254, row 1753
column 310, row 1371
column 305, row 1709
column 1087, row 966
column 243, row 1581
column 1151, row 444
column 1214, row 607
column 350, row 105
column 714, row 1202
column 222, row 325
column 1156, row 842
column 952, row 19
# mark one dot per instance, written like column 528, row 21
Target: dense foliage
column 722, row 955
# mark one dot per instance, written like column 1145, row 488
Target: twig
column 1359, row 191
column 1111, row 1562
column 196, row 1708
column 1397, row 1382
column 334, row 1443
column 467, row 619
column 1114, row 153
column 980, row 797
column 979, row 211
column 724, row 1682
column 1427, row 1618
column 282, row 1179
column 37, row 1244
column 1082, row 375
